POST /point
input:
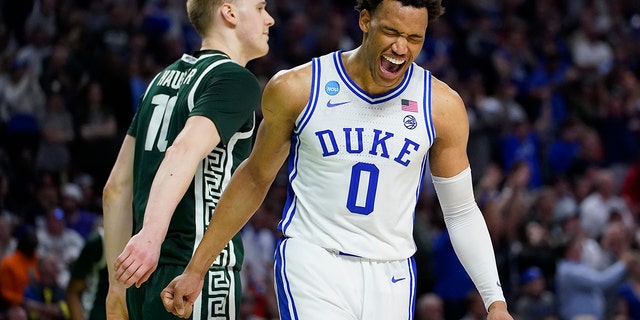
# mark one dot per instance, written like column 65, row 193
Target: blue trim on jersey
column 371, row 99
column 427, row 105
column 430, row 125
column 285, row 299
column 348, row 254
column 412, row 272
column 289, row 207
column 313, row 97
column 425, row 159
column 292, row 164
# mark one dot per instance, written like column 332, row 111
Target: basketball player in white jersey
column 357, row 129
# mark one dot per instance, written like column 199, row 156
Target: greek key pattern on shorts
column 218, row 294
column 213, row 174
column 223, row 258
column 213, row 171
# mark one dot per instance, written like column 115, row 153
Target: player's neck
column 358, row 70
column 225, row 45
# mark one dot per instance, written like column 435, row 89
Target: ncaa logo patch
column 332, row 88
column 410, row 122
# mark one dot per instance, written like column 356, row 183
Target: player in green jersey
column 193, row 128
column 88, row 285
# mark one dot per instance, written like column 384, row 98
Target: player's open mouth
column 390, row 66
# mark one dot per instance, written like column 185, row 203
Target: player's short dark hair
column 434, row 7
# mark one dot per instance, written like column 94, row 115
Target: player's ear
column 365, row 20
column 227, row 13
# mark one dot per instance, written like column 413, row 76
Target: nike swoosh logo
column 332, row 105
column 394, row 280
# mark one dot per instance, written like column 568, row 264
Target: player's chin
column 263, row 51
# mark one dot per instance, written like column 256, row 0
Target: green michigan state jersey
column 215, row 87
column 91, row 267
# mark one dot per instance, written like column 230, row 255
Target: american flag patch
column 409, row 105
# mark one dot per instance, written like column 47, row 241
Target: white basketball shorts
column 315, row 283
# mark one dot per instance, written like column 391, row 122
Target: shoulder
column 229, row 70
column 239, row 74
column 448, row 108
column 289, row 89
column 448, row 152
column 295, row 78
column 445, row 100
column 228, row 75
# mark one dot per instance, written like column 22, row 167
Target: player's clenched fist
column 178, row 297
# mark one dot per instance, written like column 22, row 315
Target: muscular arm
column 140, row 256
column 448, row 155
column 452, row 179
column 247, row 188
column 244, row 194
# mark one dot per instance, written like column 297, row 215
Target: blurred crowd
column 552, row 90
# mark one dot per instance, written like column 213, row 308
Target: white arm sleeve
column 469, row 234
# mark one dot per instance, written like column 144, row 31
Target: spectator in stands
column 45, row 196
column 98, row 130
column 537, row 251
column 562, row 151
column 57, row 133
column 522, row 144
column 536, row 301
column 580, row 287
column 429, row 306
column 628, row 300
column 44, row 299
column 56, row 239
column 76, row 218
column 91, row 198
column 22, row 105
column 589, row 50
column 600, row 206
column 16, row 268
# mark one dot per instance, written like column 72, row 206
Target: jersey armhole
column 305, row 116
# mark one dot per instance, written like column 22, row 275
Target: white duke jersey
column 357, row 162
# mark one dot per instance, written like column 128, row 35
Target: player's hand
column 178, row 297
column 138, row 260
column 499, row 315
column 116, row 304
column 498, row 311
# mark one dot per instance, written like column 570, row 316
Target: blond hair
column 200, row 13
